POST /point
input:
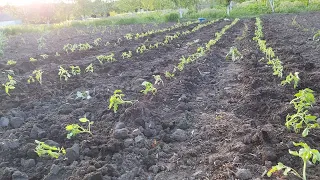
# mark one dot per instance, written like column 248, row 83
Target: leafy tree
column 63, row 11
column 83, row 7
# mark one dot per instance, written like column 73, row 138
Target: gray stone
column 109, row 170
column 144, row 151
column 128, row 142
column 121, row 133
column 155, row 169
column 4, row 122
column 93, row 176
column 179, row 135
column 140, row 141
column 17, row 113
column 183, row 98
column 149, row 132
column 6, row 173
column 36, row 132
column 17, row 175
column 56, row 173
column 9, row 144
column 73, row 153
column 65, row 109
column 119, row 125
column 268, row 154
column 243, row 174
column 107, row 178
column 150, row 125
column 16, row 122
column 136, row 132
column 4, row 164
column 136, row 85
column 52, row 143
column 129, row 175
column 183, row 124
column 54, row 170
column 28, row 163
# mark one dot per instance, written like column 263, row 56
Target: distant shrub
column 290, row 7
column 113, row 13
column 218, row 12
column 249, row 8
column 172, row 17
column 124, row 21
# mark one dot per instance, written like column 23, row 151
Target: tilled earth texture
column 216, row 119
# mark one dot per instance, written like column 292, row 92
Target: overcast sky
column 23, row 2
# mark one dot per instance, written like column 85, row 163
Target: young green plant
column 75, row 129
column 169, row 75
column 126, row 55
column 116, row 100
column 108, row 58
column 75, row 70
column 234, row 53
column 63, row 73
column 9, row 85
column 148, row 88
column 291, row 78
column 316, row 36
column 158, row 80
column 97, row 41
column 84, row 47
column 44, row 149
column 11, row 62
column 302, row 119
column 44, row 56
column 141, row 49
column 305, row 153
column 89, row 68
column 37, row 76
column 33, row 60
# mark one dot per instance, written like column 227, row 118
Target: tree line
column 79, row 9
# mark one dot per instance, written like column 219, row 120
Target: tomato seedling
column 75, row 70
column 63, row 73
column 44, row 149
column 116, row 100
column 89, row 68
column 305, row 153
column 75, row 129
column 291, row 78
column 148, row 88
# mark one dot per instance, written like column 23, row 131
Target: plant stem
column 296, row 173
column 304, row 170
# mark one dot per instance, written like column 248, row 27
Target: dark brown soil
column 211, row 120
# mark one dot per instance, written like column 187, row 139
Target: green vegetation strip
column 201, row 51
column 302, row 119
column 97, row 42
column 143, row 48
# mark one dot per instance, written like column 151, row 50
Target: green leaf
column 69, row 135
column 69, row 127
column 276, row 168
column 305, row 132
column 83, row 120
column 286, row 171
column 294, row 153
